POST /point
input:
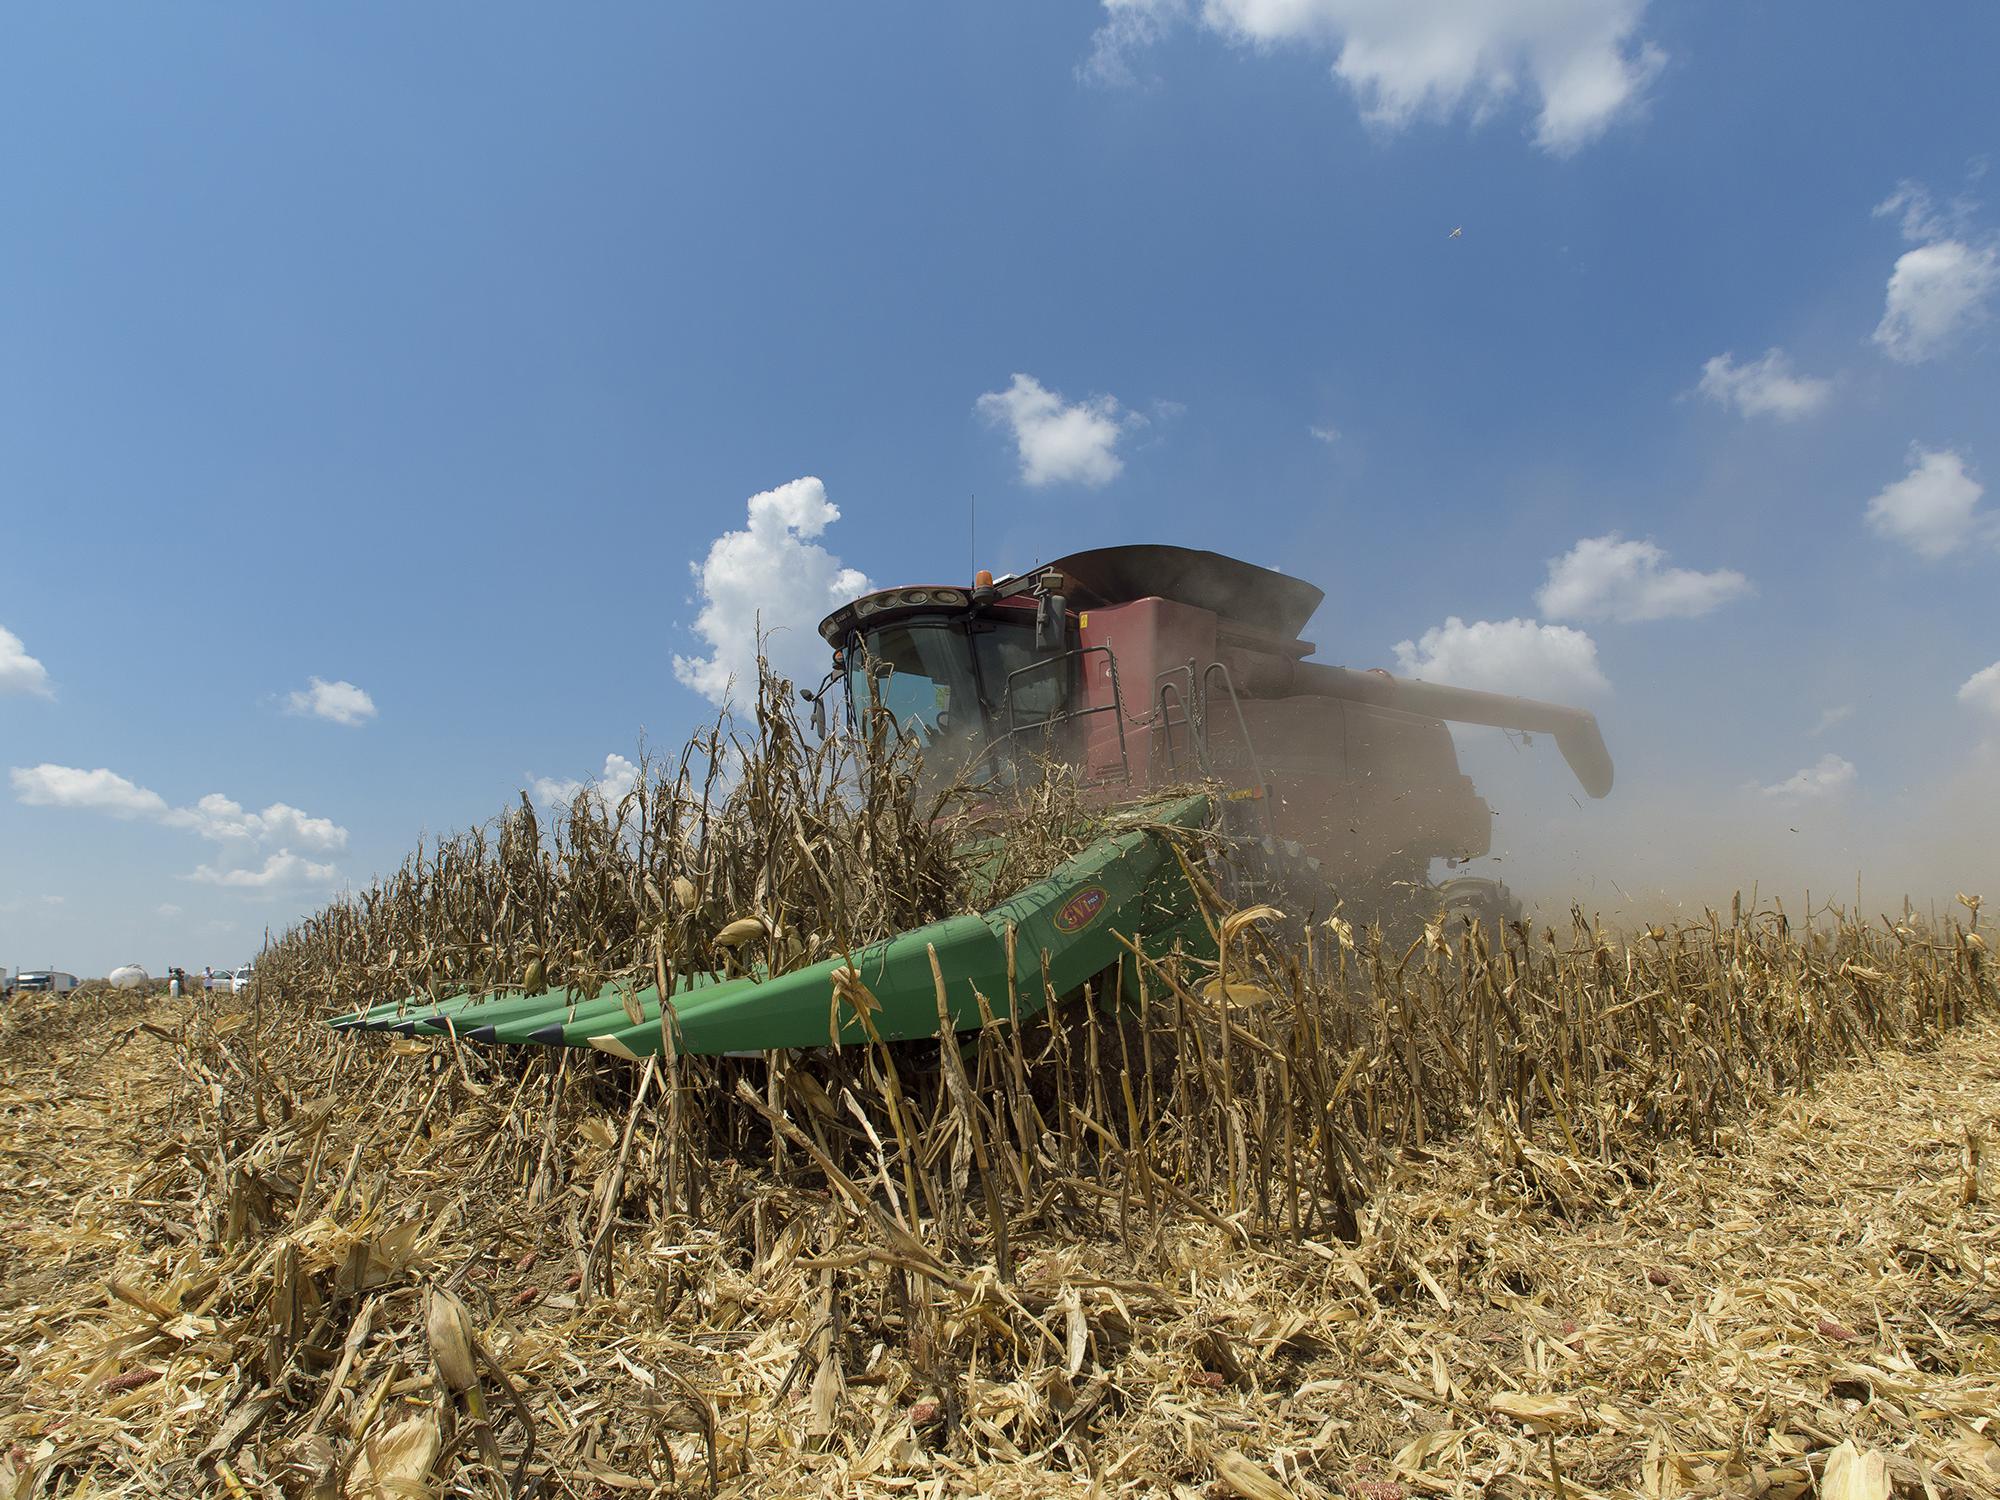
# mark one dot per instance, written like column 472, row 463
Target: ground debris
column 236, row 1245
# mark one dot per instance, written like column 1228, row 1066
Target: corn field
column 824, row 843
column 1034, row 1258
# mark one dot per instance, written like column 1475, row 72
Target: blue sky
column 424, row 351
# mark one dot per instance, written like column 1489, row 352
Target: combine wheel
column 1487, row 903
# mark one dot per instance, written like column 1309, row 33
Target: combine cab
column 1175, row 685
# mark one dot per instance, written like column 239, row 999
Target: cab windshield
column 955, row 685
column 920, row 673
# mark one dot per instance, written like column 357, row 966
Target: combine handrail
column 1163, row 683
column 1243, row 729
column 1116, row 707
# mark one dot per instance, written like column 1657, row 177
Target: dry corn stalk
column 1194, row 1193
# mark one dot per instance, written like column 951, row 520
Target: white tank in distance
column 128, row 977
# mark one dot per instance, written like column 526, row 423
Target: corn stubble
column 1247, row 1228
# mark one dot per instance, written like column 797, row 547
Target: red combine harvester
column 1147, row 667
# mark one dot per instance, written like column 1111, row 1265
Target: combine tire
column 1486, row 903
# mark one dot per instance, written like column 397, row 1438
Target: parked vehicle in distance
column 240, row 980
column 46, row 981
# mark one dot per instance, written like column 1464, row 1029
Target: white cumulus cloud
column 1129, row 26
column 1940, row 289
column 1609, row 578
column 1920, row 217
column 1934, row 509
column 610, row 787
column 97, row 791
column 282, row 869
column 1059, row 441
column 1981, row 690
column 772, row 575
column 241, row 834
column 1505, row 656
column 222, row 819
column 20, row 672
column 339, row 702
column 1580, row 60
column 1828, row 777
column 551, row 792
column 1935, row 293
column 1766, row 387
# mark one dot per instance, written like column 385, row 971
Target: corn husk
column 743, row 930
column 395, row 1465
column 1240, row 1476
column 448, row 1328
column 1546, row 1413
column 1853, row 1473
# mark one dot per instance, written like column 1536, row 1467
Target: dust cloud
column 1660, row 849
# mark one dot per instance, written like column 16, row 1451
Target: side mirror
column 818, row 699
column 1050, row 612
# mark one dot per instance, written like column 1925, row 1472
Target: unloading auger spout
column 1574, row 729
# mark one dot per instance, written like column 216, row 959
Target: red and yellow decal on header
column 1082, row 909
